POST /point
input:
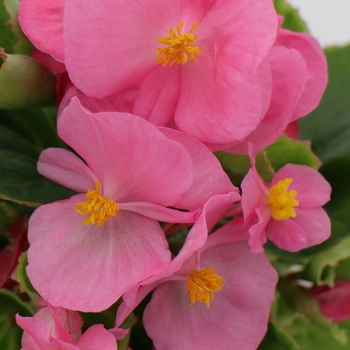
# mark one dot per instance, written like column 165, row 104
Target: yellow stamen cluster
column 180, row 46
column 282, row 202
column 202, row 284
column 99, row 208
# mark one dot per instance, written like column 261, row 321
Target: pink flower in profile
column 85, row 252
column 287, row 210
column 55, row 328
column 299, row 77
column 200, row 64
column 334, row 301
column 216, row 299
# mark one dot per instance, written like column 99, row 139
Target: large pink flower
column 288, row 210
column 214, row 292
column 217, row 90
column 55, row 328
column 88, row 250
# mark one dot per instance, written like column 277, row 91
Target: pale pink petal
column 312, row 189
column 160, row 213
column 209, row 177
column 67, row 169
column 42, row 22
column 316, row 63
column 254, row 195
column 125, row 44
column 120, row 102
column 287, row 234
column 289, row 76
column 257, row 231
column 37, row 335
column 316, row 224
column 157, row 96
column 247, row 291
column 96, row 337
column 133, row 160
column 223, row 113
column 64, row 254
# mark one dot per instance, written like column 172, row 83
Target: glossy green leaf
column 23, row 135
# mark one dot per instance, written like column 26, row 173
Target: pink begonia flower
column 135, row 173
column 207, row 86
column 287, row 210
column 55, row 328
column 217, row 291
column 334, row 301
column 10, row 254
column 299, row 78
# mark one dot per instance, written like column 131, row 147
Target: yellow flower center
column 202, row 284
column 282, row 202
column 99, row 208
column 180, row 46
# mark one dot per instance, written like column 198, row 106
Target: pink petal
column 119, row 254
column 316, row 224
column 126, row 44
column 42, row 22
column 312, row 189
column 132, row 159
column 316, row 66
column 289, row 76
column 287, row 234
column 209, row 177
column 335, row 302
column 67, row 169
column 120, row 102
column 258, row 231
column 160, row 213
column 97, row 337
column 247, row 291
column 254, row 195
column 157, row 96
column 37, row 336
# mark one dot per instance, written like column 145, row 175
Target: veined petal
column 132, row 159
column 87, row 268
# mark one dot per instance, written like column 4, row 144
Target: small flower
column 288, row 210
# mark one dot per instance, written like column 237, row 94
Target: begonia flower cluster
column 147, row 90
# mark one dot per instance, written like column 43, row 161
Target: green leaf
column 10, row 333
column 322, row 266
column 286, row 150
column 278, row 338
column 7, row 37
column 292, row 20
column 328, row 127
column 23, row 135
column 25, row 83
column 20, row 275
